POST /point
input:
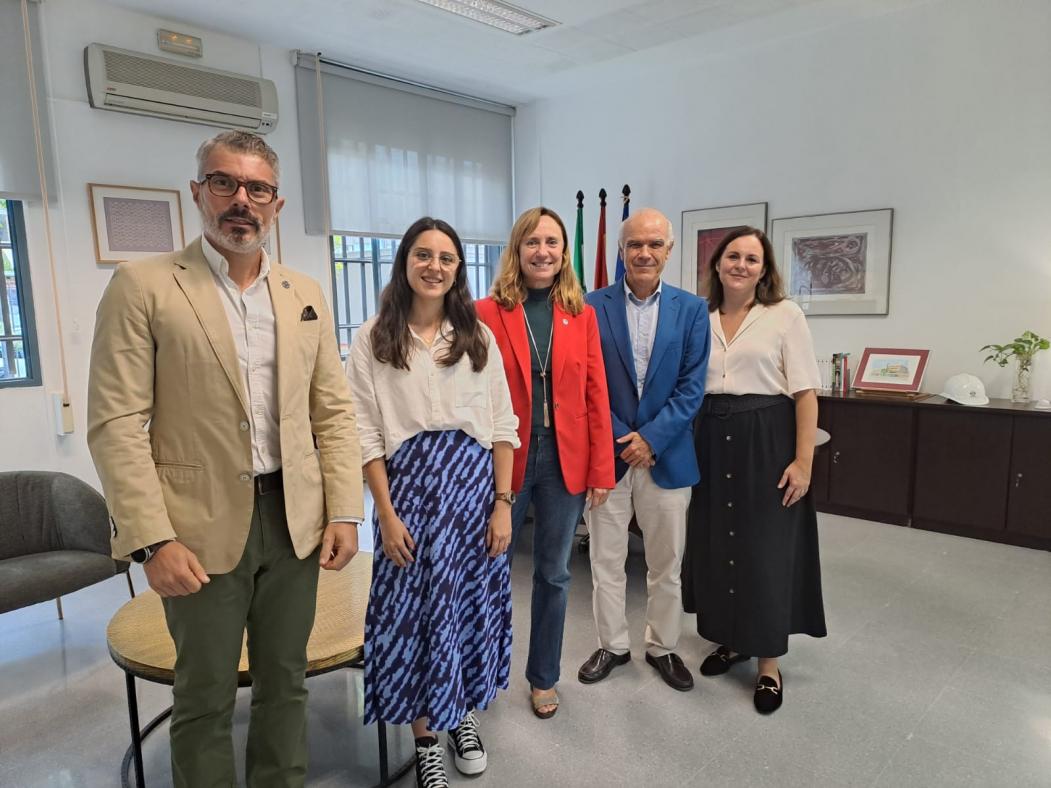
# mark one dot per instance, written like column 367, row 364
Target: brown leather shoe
column 600, row 664
column 672, row 670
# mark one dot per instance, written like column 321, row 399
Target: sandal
column 544, row 700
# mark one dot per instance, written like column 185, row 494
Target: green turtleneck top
column 539, row 314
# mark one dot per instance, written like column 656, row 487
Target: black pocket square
column 308, row 313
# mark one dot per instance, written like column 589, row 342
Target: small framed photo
column 891, row 369
column 836, row 263
column 703, row 230
column 130, row 222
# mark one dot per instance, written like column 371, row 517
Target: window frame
column 341, row 291
column 24, row 292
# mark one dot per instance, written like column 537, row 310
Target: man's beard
column 238, row 240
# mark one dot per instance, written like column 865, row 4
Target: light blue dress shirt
column 642, row 328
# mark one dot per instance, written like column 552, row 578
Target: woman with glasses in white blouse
column 751, row 570
column 437, row 440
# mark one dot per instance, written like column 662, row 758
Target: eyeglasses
column 424, row 257
column 223, row 185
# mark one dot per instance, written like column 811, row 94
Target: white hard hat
column 966, row 389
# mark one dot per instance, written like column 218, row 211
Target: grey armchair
column 54, row 539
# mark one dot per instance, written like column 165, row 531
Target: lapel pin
column 565, row 321
column 285, row 284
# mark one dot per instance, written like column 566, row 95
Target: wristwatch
column 144, row 554
column 507, row 497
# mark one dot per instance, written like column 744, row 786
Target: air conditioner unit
column 126, row 81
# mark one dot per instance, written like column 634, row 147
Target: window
column 18, row 358
column 361, row 267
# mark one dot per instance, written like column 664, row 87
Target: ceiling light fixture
column 503, row 16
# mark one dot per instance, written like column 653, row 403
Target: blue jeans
column 555, row 516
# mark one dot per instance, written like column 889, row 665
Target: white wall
column 939, row 110
column 95, row 146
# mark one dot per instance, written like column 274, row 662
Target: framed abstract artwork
column 130, row 222
column 836, row 263
column 891, row 369
column 703, row 230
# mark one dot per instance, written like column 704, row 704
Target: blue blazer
column 675, row 377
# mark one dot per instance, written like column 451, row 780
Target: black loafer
column 672, row 670
column 600, row 664
column 720, row 661
column 769, row 696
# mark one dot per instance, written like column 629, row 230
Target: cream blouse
column 771, row 353
column 392, row 404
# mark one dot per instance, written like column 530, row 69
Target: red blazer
column 583, row 427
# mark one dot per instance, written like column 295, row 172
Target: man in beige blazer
column 221, row 425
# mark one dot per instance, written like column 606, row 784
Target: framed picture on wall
column 891, row 369
column 836, row 263
column 130, row 222
column 702, row 232
column 273, row 242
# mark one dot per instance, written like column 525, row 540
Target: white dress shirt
column 642, row 316
column 251, row 316
column 393, row 405
column 771, row 353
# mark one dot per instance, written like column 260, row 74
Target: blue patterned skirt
column 438, row 632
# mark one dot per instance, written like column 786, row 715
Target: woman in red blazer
column 549, row 341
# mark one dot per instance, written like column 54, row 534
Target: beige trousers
column 661, row 515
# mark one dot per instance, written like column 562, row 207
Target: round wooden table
column 140, row 644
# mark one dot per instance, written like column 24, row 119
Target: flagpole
column 578, row 242
column 626, row 196
column 601, row 276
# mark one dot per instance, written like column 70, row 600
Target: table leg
column 381, row 729
column 386, row 778
column 136, row 736
column 130, row 755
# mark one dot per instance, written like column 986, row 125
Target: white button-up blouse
column 771, row 353
column 393, row 405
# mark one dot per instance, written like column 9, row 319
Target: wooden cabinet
column 866, row 468
column 1029, row 482
column 962, row 460
column 870, row 463
column 819, row 473
column 983, row 472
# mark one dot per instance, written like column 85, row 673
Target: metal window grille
column 361, row 268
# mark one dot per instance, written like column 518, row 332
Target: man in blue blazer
column 655, row 342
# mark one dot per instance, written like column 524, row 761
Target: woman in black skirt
column 751, row 570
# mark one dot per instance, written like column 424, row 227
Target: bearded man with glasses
column 213, row 373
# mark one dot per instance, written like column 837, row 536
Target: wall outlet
column 63, row 413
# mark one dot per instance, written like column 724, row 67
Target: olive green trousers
column 272, row 594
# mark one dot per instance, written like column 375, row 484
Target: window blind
column 379, row 153
column 18, row 159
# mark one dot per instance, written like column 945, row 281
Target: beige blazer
column 167, row 412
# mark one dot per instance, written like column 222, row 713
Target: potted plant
column 1023, row 349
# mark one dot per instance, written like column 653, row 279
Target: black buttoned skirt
column 751, row 571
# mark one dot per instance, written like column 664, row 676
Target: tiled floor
column 936, row 671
